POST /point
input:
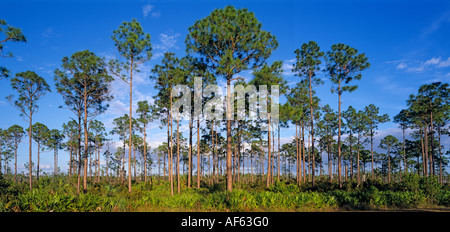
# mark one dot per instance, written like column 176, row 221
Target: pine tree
column 230, row 40
column 343, row 65
column 135, row 48
column 31, row 88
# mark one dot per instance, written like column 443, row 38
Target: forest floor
column 50, row 194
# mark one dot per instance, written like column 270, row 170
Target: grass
column 59, row 195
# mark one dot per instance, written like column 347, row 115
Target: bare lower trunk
column 190, row 154
column 339, row 140
column 213, row 152
column 15, row 163
column 404, row 152
column 278, row 152
column 79, row 156
column 198, row 153
column 29, row 149
column 178, row 155
column 171, row 148
column 145, row 155
column 229, row 151
column 269, row 172
column 427, row 164
column 303, row 154
column 86, row 143
column 440, row 156
column 312, row 128
column 130, row 127
column 38, row 159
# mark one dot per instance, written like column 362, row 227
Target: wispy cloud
column 444, row 63
column 433, row 61
column 401, row 66
column 420, row 66
column 147, row 9
column 436, row 24
column 167, row 41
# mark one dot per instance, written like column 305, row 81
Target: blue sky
column 406, row 42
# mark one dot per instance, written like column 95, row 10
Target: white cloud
column 167, row 41
column 433, row 61
column 287, row 67
column 156, row 14
column 438, row 62
column 419, row 66
column 444, row 63
column 401, row 66
column 147, row 9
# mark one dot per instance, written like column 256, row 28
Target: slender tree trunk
column 405, row 164
column 273, row 156
column 427, row 164
column 278, row 152
column 198, row 154
column 134, row 163
column 130, row 127
column 371, row 146
column 168, row 147
column 15, row 160
column 389, row 169
column 98, row 162
column 1, row 157
column 359, row 178
column 164, row 156
column 55, row 162
column 312, row 127
column 79, row 155
column 170, row 158
column 217, row 163
column 440, row 156
column 145, row 154
column 229, row 151
column 234, row 163
column 424, row 169
column 310, row 170
column 330, row 163
column 339, row 138
column 298, row 166
column 38, row 159
column 303, row 154
column 251, row 166
column 351, row 157
column 107, row 163
column 178, row 154
column 70, row 159
column 213, row 152
column 190, row 153
column 86, row 143
column 432, row 142
column 261, row 155
column 30, row 136
column 269, row 171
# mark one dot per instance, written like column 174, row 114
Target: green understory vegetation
column 58, row 194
